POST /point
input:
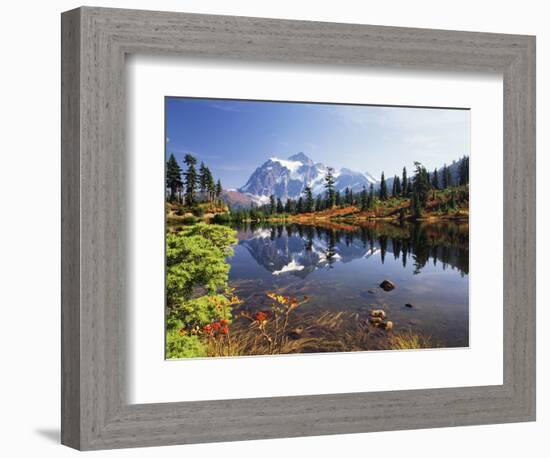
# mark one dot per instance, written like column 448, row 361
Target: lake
column 340, row 267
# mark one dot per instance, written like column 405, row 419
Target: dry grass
column 316, row 333
column 408, row 340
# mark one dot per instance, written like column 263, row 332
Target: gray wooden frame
column 95, row 41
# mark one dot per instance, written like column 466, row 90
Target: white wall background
column 30, row 209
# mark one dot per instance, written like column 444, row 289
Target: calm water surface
column 341, row 266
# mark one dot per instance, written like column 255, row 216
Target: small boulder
column 296, row 332
column 387, row 285
column 409, row 305
column 378, row 313
column 375, row 321
column 388, row 325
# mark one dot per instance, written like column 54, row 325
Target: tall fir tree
column 219, row 189
column 329, row 187
column 416, row 206
column 464, row 171
column 447, row 179
column 397, row 184
column 280, row 208
column 383, row 193
column 364, row 198
column 173, row 177
column 435, row 179
column 272, row 204
column 404, row 182
column 288, row 206
column 300, row 205
column 203, row 180
column 318, row 203
column 190, row 180
column 337, row 199
column 309, row 202
column 421, row 185
column 210, row 185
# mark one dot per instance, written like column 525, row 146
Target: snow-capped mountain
column 287, row 178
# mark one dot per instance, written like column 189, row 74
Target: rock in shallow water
column 375, row 321
column 409, row 305
column 378, row 313
column 387, row 285
column 296, row 332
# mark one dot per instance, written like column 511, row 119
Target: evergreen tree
column 203, row 180
column 404, row 182
column 383, row 189
column 337, row 199
column 272, row 204
column 435, row 180
column 364, row 199
column 397, row 184
column 173, row 177
column 329, row 186
column 210, row 185
column 300, row 205
column 351, row 197
column 318, row 203
column 416, row 206
column 190, row 180
column 421, row 185
column 447, row 181
column 287, row 206
column 309, row 202
column 280, row 208
column 464, row 171
column 219, row 189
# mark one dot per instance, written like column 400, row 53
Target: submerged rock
column 387, row 285
column 409, row 305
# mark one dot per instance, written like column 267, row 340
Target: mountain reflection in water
column 340, row 267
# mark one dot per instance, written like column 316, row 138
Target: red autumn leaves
column 216, row 328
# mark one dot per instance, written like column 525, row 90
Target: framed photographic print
column 303, row 206
column 280, row 255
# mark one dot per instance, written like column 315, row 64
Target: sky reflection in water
column 340, row 268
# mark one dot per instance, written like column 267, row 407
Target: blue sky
column 234, row 137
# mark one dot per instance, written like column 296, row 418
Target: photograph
column 295, row 227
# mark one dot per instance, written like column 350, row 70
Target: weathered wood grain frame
column 95, row 41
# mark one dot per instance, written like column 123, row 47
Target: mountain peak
column 301, row 157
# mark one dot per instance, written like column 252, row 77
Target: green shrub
column 195, row 260
column 183, row 346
